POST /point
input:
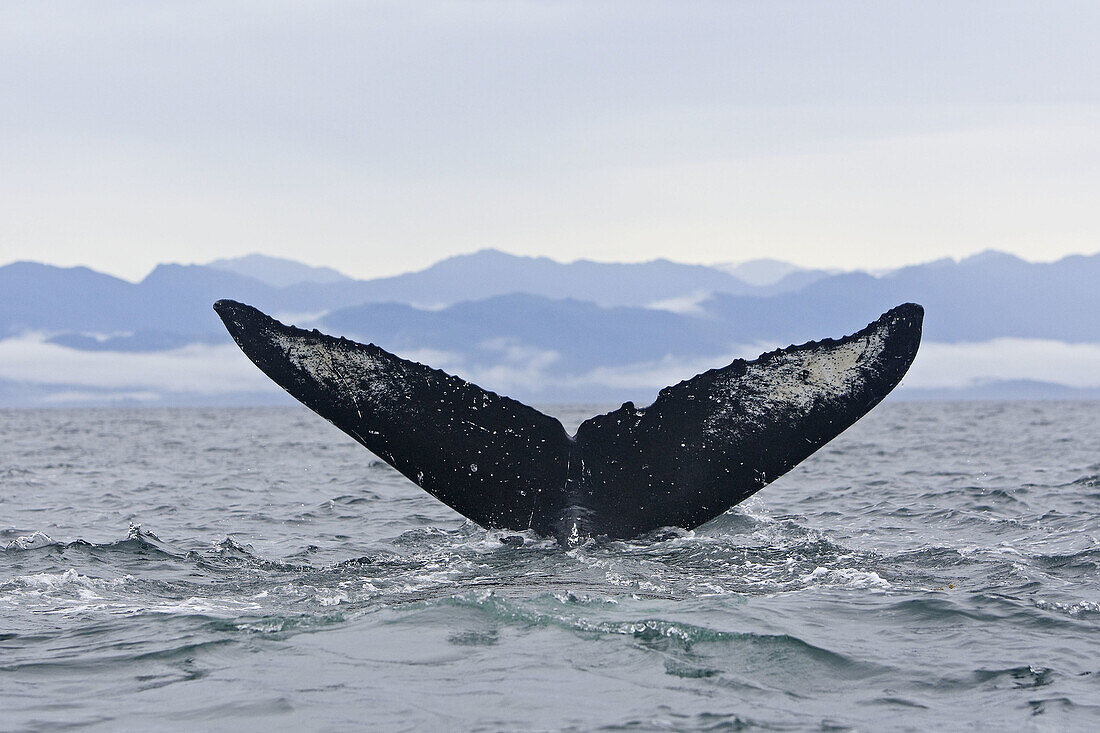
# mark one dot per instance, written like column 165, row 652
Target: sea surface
column 937, row 567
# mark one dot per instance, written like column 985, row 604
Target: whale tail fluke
column 701, row 447
column 486, row 456
column 712, row 441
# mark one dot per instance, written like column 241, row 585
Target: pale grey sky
column 379, row 137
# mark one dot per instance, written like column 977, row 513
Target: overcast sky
column 380, row 137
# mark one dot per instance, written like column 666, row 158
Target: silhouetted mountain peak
column 176, row 274
column 989, row 257
column 29, row 268
column 761, row 271
column 277, row 271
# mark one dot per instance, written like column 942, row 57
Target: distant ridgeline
column 539, row 328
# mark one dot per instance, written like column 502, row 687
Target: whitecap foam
column 849, row 577
column 1070, row 609
column 68, row 579
column 31, row 541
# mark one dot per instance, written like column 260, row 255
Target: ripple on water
column 920, row 569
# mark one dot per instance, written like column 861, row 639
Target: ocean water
column 935, row 567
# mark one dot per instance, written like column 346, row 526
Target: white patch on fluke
column 352, row 372
column 797, row 380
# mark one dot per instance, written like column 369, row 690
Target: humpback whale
column 703, row 446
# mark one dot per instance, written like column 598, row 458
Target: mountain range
column 552, row 323
column 175, row 298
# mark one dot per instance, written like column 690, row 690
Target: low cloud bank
column 216, row 374
column 198, row 368
column 1007, row 359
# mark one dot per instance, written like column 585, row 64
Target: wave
column 135, row 539
column 1081, row 609
column 648, row 630
column 45, row 582
column 743, row 554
